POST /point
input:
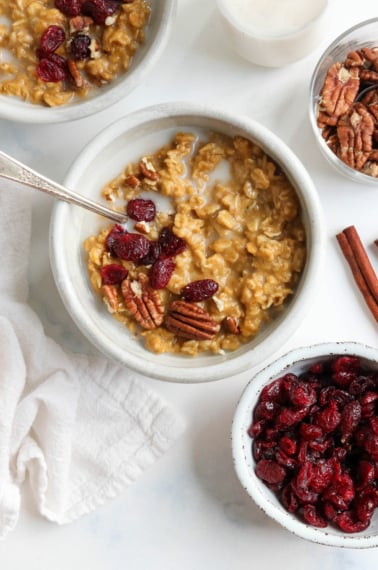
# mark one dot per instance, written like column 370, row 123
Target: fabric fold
column 80, row 427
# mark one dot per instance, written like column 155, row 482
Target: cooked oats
column 111, row 49
column 243, row 229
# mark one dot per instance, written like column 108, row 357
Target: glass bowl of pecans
column 344, row 102
column 305, row 443
column 219, row 257
column 62, row 60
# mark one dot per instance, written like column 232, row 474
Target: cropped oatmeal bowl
column 63, row 60
column 219, row 258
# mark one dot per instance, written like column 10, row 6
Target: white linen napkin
column 81, row 427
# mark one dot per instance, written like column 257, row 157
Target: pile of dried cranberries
column 315, row 443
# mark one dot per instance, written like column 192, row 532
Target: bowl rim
column 244, row 409
column 177, row 111
column 274, row 38
column 332, row 158
column 12, row 108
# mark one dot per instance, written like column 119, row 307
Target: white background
column 188, row 511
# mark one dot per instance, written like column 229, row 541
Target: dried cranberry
column 299, row 393
column 99, row 10
column 347, row 524
column 270, row 471
column 199, row 290
column 288, row 445
column 80, row 47
column 49, row 70
column 310, row 432
column 344, row 370
column 113, row 273
column 51, row 39
column 365, row 473
column 161, row 272
column 70, row 8
column 171, row 244
column 289, row 500
column 131, row 247
column 350, row 417
column 313, row 517
column 113, row 236
column 328, row 418
column 272, row 391
column 141, row 210
column 153, row 254
column 288, row 417
column 322, row 474
column 266, row 410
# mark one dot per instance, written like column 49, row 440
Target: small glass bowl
column 364, row 34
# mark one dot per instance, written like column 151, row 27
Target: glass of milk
column 273, row 33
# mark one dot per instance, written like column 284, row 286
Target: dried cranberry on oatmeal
column 222, row 259
column 54, row 51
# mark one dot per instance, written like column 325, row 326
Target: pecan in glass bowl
column 305, row 443
column 344, row 102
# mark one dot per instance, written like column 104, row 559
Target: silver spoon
column 14, row 170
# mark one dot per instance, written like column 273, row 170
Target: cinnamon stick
column 358, row 266
column 362, row 260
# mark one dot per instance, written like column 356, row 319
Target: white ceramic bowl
column 364, row 34
column 296, row 362
column 125, row 141
column 273, row 40
column 157, row 35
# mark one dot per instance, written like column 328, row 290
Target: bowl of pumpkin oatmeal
column 218, row 260
column 62, row 60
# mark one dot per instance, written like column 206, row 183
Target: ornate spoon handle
column 14, row 170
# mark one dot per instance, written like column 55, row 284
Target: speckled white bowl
column 157, row 35
column 125, row 141
column 296, row 362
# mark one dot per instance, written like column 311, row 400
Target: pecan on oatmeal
column 54, row 51
column 208, row 271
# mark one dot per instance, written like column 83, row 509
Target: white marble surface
column 188, row 511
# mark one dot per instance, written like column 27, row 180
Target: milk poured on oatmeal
column 274, row 17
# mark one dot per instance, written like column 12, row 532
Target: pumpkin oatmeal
column 208, row 271
column 52, row 51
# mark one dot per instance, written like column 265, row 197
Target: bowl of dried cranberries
column 62, row 60
column 218, row 260
column 305, row 443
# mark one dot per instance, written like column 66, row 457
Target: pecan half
column 143, row 302
column 111, row 297
column 355, row 133
column 148, row 170
column 230, row 325
column 340, row 89
column 190, row 321
column 132, row 181
column 354, row 59
column 369, row 75
column 80, row 24
column 77, row 78
column 371, row 55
